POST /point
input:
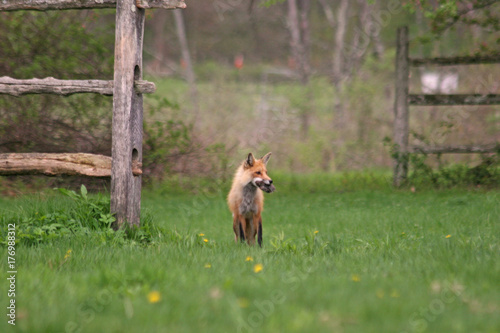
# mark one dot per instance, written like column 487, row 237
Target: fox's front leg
column 241, row 228
column 239, row 225
column 259, row 233
column 257, row 227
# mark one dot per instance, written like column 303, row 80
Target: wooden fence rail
column 78, row 164
column 127, row 89
column 453, row 61
column 403, row 100
column 14, row 87
column 454, row 99
column 43, row 5
column 459, row 149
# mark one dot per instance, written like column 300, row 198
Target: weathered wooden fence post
column 127, row 114
column 401, row 126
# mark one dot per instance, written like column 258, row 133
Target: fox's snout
column 260, row 180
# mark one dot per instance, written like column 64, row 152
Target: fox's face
column 258, row 172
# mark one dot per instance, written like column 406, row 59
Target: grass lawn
column 332, row 261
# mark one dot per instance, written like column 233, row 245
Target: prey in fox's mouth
column 266, row 186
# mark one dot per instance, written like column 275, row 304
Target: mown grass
column 334, row 259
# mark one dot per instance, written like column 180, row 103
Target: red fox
column 246, row 201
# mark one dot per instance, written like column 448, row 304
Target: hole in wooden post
column 137, row 73
column 136, row 166
column 137, row 78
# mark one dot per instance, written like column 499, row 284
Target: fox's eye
column 258, row 172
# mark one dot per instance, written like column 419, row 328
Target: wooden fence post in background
column 127, row 114
column 401, row 126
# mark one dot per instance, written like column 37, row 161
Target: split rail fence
column 403, row 100
column 127, row 87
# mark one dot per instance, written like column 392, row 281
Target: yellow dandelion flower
column 249, row 258
column 448, row 236
column 243, row 302
column 355, row 278
column 68, row 254
column 395, row 294
column 201, row 235
column 205, row 240
column 258, row 268
column 380, row 293
column 316, row 231
column 154, row 297
column 208, row 265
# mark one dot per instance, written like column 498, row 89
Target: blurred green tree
column 480, row 16
column 64, row 45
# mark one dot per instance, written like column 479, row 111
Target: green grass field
column 359, row 260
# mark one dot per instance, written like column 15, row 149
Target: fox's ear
column 249, row 161
column 266, row 158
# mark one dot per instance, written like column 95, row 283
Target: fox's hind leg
column 236, row 229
